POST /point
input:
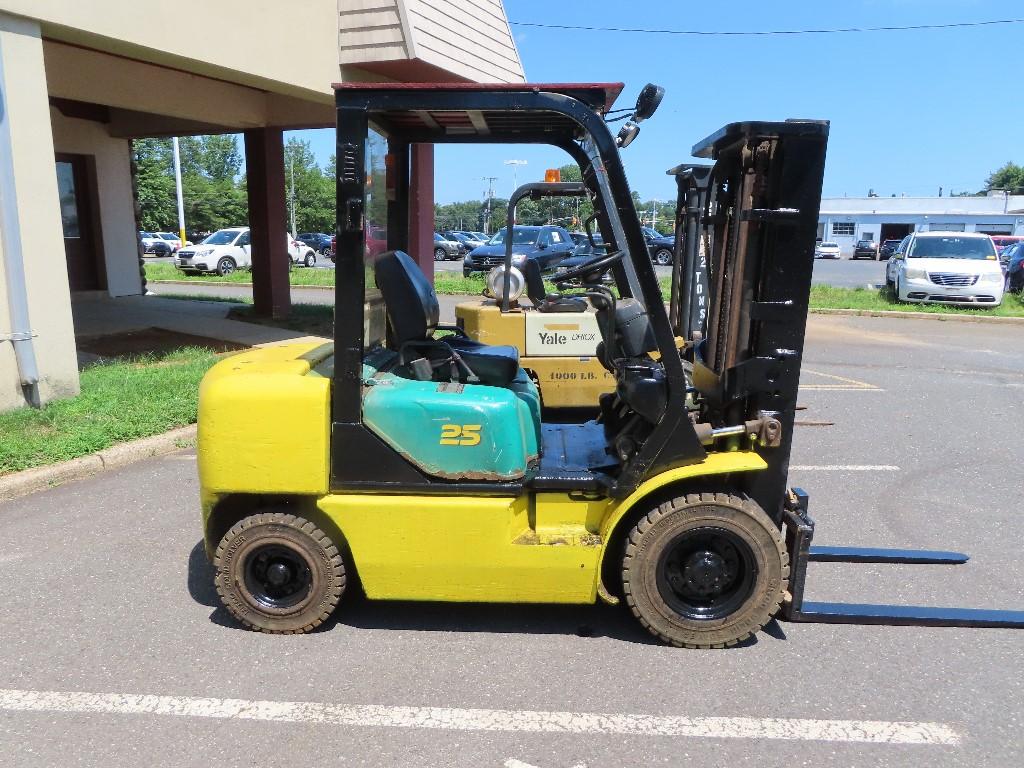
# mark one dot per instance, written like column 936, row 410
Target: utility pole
column 654, row 214
column 177, row 190
column 490, row 196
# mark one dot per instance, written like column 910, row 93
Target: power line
column 769, row 32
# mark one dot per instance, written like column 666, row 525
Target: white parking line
column 845, row 384
column 845, row 467
column 445, row 718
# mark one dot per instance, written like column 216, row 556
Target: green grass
column 453, row 283
column 298, row 276
column 119, row 401
column 829, row 297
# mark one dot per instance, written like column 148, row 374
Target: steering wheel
column 599, row 264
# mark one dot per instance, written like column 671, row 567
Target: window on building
column 842, row 228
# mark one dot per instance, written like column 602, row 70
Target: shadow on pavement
column 200, row 587
column 356, row 611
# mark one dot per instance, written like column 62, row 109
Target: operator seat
column 412, row 310
column 541, row 299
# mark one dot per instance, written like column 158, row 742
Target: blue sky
column 911, row 111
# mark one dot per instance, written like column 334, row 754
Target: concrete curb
column 920, row 315
column 29, row 481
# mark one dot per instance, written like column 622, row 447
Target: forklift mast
column 758, row 209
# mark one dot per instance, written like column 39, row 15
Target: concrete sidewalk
column 96, row 316
column 300, row 295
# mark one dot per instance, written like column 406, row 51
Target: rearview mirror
column 647, row 102
column 627, row 133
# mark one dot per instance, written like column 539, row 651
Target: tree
column 214, row 195
column 1010, row 177
column 313, row 189
column 155, row 184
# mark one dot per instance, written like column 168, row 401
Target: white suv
column 947, row 268
column 228, row 249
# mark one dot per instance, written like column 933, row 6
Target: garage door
column 994, row 229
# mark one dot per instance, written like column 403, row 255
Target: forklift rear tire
column 278, row 573
column 705, row 570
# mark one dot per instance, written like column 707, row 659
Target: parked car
column 445, row 249
column 153, row 243
column 481, row 236
column 229, row 249
column 865, row 249
column 472, row 239
column 332, row 253
column 1013, row 267
column 583, row 252
column 318, row 241
column 652, row 234
column 301, row 253
column 946, row 267
column 827, row 250
column 662, row 249
column 467, row 243
column 548, row 245
column 1004, row 241
column 172, row 240
column 887, row 249
column 376, row 240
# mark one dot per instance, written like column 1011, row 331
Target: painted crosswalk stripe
column 454, row 719
column 844, row 467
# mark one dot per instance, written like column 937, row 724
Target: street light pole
column 515, row 172
column 490, row 196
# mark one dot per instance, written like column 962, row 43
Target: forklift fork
column 799, row 532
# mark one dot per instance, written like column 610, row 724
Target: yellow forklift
column 412, row 460
column 556, row 335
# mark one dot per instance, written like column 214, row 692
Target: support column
column 35, row 300
column 421, row 208
column 264, row 178
column 397, row 183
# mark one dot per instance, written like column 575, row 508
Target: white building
column 845, row 220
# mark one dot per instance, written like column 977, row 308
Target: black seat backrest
column 409, row 298
column 534, row 281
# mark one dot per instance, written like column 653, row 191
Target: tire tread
column 646, row 522
column 336, row 564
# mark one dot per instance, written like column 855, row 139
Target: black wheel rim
column 663, row 258
column 226, row 268
column 277, row 577
column 706, row 573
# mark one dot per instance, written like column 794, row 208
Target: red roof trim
column 610, row 91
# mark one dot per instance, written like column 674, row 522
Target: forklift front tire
column 278, row 573
column 705, row 570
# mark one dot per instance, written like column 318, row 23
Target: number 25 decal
column 460, row 434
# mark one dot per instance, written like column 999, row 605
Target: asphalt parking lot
column 115, row 652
